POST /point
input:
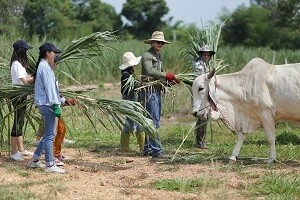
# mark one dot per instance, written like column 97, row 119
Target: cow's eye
column 200, row 89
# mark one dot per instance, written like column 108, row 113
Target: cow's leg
column 270, row 135
column 268, row 123
column 238, row 145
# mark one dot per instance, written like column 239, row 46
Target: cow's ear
column 211, row 73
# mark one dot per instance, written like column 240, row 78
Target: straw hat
column 206, row 48
column 157, row 36
column 129, row 60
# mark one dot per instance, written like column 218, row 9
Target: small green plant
column 101, row 85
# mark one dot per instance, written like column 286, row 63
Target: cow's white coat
column 258, row 96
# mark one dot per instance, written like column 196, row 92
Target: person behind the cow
column 61, row 127
column 127, row 70
column 47, row 99
column 152, row 70
column 19, row 76
column 201, row 65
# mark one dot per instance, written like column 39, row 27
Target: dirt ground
column 110, row 176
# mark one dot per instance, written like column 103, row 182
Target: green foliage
column 288, row 137
column 249, row 27
column 273, row 24
column 105, row 68
column 10, row 15
column 208, row 35
column 145, row 16
column 95, row 15
column 48, row 18
column 59, row 19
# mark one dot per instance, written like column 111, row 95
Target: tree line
column 265, row 23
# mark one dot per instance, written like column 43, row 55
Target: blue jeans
column 46, row 143
column 130, row 126
column 151, row 99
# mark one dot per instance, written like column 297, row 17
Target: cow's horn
column 211, row 73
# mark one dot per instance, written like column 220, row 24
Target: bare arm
column 27, row 80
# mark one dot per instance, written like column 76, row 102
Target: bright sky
column 192, row 11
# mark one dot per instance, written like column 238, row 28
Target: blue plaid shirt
column 46, row 86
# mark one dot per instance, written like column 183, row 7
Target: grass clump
column 276, row 186
column 185, row 185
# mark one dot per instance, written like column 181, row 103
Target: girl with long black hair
column 19, row 76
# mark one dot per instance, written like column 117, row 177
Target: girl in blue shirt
column 47, row 99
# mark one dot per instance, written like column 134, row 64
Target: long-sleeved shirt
column 200, row 66
column 46, row 86
column 152, row 68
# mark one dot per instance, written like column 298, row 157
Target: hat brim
column 149, row 41
column 56, row 50
column 211, row 52
column 27, row 47
column 130, row 63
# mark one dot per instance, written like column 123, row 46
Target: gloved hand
column 70, row 102
column 170, row 76
column 176, row 81
column 57, row 110
column 173, row 82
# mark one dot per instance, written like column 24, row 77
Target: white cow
column 260, row 95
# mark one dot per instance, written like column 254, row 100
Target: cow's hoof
column 271, row 161
column 232, row 159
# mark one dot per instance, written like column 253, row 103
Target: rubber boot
column 125, row 137
column 141, row 140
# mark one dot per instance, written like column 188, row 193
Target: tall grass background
column 105, row 69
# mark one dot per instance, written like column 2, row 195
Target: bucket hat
column 129, row 60
column 156, row 36
column 206, row 48
column 21, row 44
column 49, row 47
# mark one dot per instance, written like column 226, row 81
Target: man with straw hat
column 128, row 93
column 202, row 66
column 154, row 78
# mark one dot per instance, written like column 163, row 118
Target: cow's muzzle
column 196, row 114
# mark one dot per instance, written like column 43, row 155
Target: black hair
column 42, row 54
column 200, row 55
column 21, row 56
column 127, row 69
